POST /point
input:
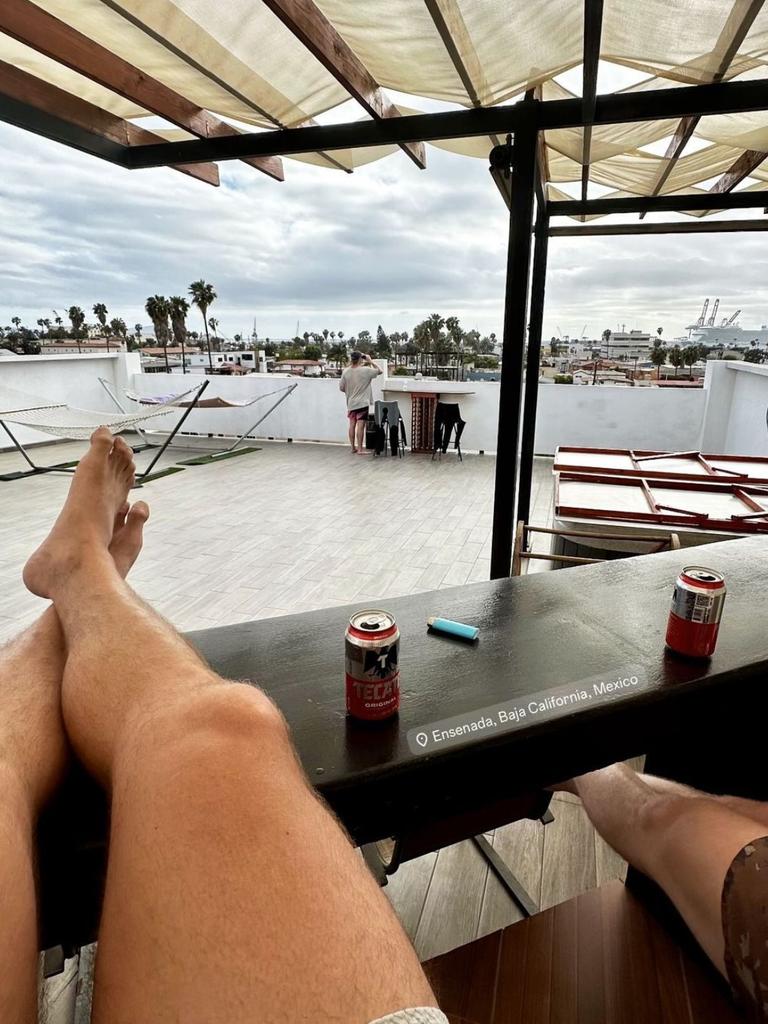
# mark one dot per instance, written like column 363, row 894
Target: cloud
column 388, row 244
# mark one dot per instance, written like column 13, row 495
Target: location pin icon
column 422, row 739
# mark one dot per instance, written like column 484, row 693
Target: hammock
column 205, row 403
column 166, row 401
column 64, row 420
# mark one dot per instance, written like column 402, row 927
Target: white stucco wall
column 617, row 417
column 72, row 379
column 737, row 407
column 601, row 416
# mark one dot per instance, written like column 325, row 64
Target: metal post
column 513, row 344
column 531, row 397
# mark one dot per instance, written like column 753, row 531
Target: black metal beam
column 675, row 227
column 593, row 27
column 24, row 115
column 651, row 204
column 531, row 394
column 723, row 98
column 513, row 344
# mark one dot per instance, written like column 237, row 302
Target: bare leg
column 683, row 839
column 33, row 752
column 352, row 426
column 360, row 428
column 755, row 809
column 232, row 894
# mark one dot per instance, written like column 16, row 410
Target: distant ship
column 727, row 333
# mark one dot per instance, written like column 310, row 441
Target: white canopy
column 246, row 61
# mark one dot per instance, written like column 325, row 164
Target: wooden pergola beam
column 21, row 87
column 738, row 23
column 34, row 27
column 311, row 27
column 452, row 29
column 118, row 7
column 593, row 27
column 739, row 170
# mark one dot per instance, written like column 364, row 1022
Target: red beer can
column 697, row 606
column 372, row 662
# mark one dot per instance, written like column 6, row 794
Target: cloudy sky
column 388, row 244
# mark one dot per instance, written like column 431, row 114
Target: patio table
column 544, row 640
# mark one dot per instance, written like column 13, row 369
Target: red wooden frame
column 753, row 520
column 638, row 455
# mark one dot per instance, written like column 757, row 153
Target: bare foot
column 33, row 747
column 85, row 525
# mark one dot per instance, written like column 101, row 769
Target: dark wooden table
column 702, row 722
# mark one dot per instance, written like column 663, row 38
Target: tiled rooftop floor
column 290, row 528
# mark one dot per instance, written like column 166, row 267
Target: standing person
column 356, row 384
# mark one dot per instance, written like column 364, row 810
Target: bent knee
column 233, row 711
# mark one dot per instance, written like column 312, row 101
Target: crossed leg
column 683, row 839
column 232, row 894
column 33, row 752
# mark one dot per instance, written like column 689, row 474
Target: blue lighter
column 456, row 629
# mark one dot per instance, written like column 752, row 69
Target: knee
column 233, row 712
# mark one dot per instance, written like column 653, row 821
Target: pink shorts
column 358, row 414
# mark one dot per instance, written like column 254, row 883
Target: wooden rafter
column 738, row 23
column 311, row 27
column 55, row 39
column 593, row 25
column 739, row 170
column 22, row 87
column 453, row 32
column 118, row 7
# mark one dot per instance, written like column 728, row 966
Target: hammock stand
column 208, row 456
column 25, row 413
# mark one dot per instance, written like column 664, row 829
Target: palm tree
column 100, row 312
column 77, row 319
column 659, row 331
column 137, row 329
column 434, row 325
column 158, row 308
column 179, row 307
column 658, row 356
column 213, row 323
column 203, row 296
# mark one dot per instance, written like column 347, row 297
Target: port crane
column 702, row 318
column 711, row 321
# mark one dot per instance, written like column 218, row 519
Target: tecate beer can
column 372, row 662
column 697, row 606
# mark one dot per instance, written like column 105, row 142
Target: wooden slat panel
column 34, row 91
column 565, row 979
column 601, row 958
column 464, row 981
column 307, row 22
column 55, row 39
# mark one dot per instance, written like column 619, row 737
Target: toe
column 139, row 513
column 102, row 440
column 120, row 515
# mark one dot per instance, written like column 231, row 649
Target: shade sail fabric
column 240, row 62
